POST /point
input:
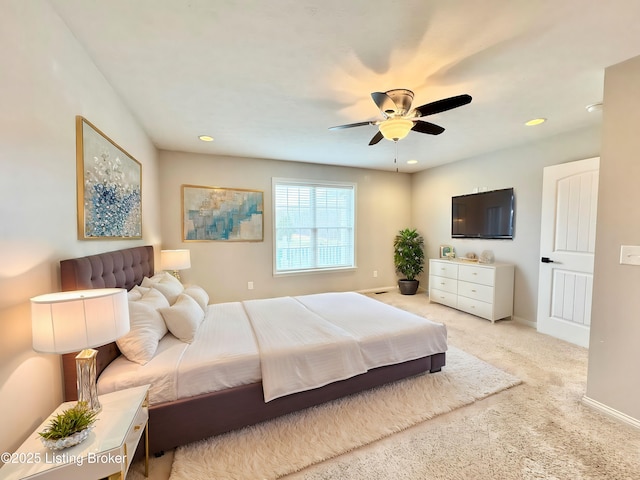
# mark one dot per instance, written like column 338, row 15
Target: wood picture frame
column 109, row 187
column 222, row 214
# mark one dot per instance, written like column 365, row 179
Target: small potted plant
column 69, row 427
column 408, row 257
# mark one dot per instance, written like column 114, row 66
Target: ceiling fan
column 400, row 118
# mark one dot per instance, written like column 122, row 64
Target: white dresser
column 485, row 290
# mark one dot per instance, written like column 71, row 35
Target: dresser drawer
column 476, row 291
column 443, row 283
column 475, row 274
column 446, row 298
column 443, row 268
column 476, row 307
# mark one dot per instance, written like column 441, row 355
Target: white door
column 567, row 245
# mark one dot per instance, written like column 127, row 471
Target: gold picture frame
column 222, row 214
column 446, row 251
column 109, row 187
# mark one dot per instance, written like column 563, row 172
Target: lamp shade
column 175, row 259
column 67, row 322
column 395, row 128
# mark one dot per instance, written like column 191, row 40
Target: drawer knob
column 473, row 291
column 137, row 427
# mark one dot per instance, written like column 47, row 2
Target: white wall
column 614, row 357
column 46, row 80
column 224, row 268
column 519, row 167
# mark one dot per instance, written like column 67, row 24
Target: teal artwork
column 223, row 214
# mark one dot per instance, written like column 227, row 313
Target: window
column 313, row 225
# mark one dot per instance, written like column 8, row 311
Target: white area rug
column 293, row 442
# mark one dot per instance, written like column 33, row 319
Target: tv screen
column 483, row 215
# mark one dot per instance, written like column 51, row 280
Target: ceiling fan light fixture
column 395, row 129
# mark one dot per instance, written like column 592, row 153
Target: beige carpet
column 538, row 430
column 288, row 444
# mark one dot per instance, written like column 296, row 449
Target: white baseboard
column 526, row 322
column 610, row 412
column 392, row 288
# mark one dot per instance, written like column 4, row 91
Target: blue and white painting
column 111, row 201
column 226, row 214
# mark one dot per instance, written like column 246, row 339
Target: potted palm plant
column 408, row 257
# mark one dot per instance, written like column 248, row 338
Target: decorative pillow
column 147, row 327
column 133, row 295
column 154, row 298
column 166, row 284
column 136, row 293
column 199, row 295
column 140, row 289
column 183, row 318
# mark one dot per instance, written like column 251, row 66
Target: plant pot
column 66, row 442
column 408, row 287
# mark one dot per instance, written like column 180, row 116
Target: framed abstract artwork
column 221, row 214
column 109, row 183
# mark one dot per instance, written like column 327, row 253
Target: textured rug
column 293, row 442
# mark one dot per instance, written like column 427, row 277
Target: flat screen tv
column 483, row 215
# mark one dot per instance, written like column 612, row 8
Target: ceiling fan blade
column 443, row 105
column 384, row 102
column 426, row 127
column 351, row 125
column 376, row 138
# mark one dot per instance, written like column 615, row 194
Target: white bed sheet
column 387, row 335
column 223, row 354
column 160, row 372
column 299, row 350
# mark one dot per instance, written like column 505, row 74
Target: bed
column 181, row 417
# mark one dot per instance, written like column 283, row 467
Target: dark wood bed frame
column 183, row 421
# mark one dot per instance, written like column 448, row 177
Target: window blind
column 313, row 225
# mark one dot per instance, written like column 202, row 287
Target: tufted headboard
column 118, row 269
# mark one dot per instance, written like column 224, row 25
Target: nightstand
column 106, row 453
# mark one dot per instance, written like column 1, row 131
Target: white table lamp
column 175, row 260
column 66, row 322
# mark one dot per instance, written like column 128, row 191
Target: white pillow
column 154, row 298
column 140, row 289
column 147, row 327
column 199, row 295
column 166, row 284
column 136, row 292
column 133, row 295
column 183, row 318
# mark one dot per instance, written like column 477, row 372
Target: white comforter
column 300, row 350
column 386, row 335
column 291, row 343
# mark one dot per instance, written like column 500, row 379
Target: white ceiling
column 267, row 78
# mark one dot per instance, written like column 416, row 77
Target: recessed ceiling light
column 412, row 162
column 535, row 121
column 206, row 138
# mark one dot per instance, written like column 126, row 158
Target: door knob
column 546, row 260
